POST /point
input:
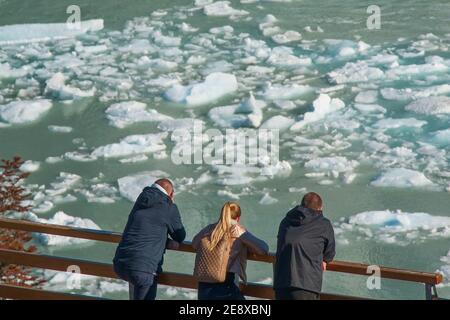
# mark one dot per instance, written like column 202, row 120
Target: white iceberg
column 25, row 33
column 21, row 112
column 323, row 105
column 123, row 114
column 431, row 105
column 215, row 86
column 402, row 178
column 57, row 88
column 131, row 145
column 222, row 8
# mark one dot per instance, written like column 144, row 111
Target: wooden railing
column 429, row 280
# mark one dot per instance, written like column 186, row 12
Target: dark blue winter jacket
column 154, row 216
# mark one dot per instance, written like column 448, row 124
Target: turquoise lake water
column 346, row 155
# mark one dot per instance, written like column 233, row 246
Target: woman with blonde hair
column 221, row 255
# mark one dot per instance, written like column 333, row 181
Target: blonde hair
column 230, row 211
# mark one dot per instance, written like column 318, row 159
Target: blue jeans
column 143, row 285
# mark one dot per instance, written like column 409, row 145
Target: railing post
column 430, row 292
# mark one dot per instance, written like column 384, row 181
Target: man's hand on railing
column 171, row 244
column 324, row 266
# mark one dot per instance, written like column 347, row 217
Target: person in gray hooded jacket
column 305, row 245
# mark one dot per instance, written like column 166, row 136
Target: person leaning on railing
column 221, row 255
column 139, row 256
column 305, row 244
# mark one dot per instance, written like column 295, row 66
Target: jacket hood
column 301, row 215
column 151, row 196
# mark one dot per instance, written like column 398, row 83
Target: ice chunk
column 180, row 124
column 402, row 178
column 25, row 33
column 278, row 122
column 330, row 164
column 285, row 57
column 134, row 144
column 57, row 88
column 60, row 129
column 267, row 200
column 431, row 105
column 405, row 94
column 215, row 86
column 30, row 166
column 7, row 72
column 60, row 218
column 222, row 8
column 441, row 137
column 21, row 112
column 367, row 97
column 288, row 36
column 323, row 105
column 279, row 92
column 397, row 227
column 123, row 114
column 355, row 72
column 131, row 186
column 228, row 117
column 390, row 123
column 369, row 108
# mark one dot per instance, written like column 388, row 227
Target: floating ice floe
column 59, row 218
column 100, row 193
column 57, row 89
column 222, row 8
column 267, row 200
column 402, row 178
column 26, row 33
column 345, row 48
column 247, row 114
column 288, row 36
column 60, row 129
column 331, row 165
column 441, row 137
column 131, row 186
column 7, row 72
column 323, row 105
column 355, row 72
column 367, row 97
column 215, row 86
column 431, row 105
column 390, row 123
column 288, row 92
column 278, row 122
column 22, row 112
column 30, row 166
column 131, row 145
column 89, row 285
column 395, row 227
column 123, row 114
column 406, row 94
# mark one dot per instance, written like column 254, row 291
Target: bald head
column 313, row 201
column 167, row 185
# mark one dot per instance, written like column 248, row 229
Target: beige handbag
column 211, row 265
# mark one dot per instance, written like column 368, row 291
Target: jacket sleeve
column 254, row 244
column 330, row 245
column 175, row 227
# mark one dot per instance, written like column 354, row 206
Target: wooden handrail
column 106, row 270
column 23, row 293
column 114, row 237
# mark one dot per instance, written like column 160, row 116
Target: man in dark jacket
column 305, row 244
column 139, row 256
